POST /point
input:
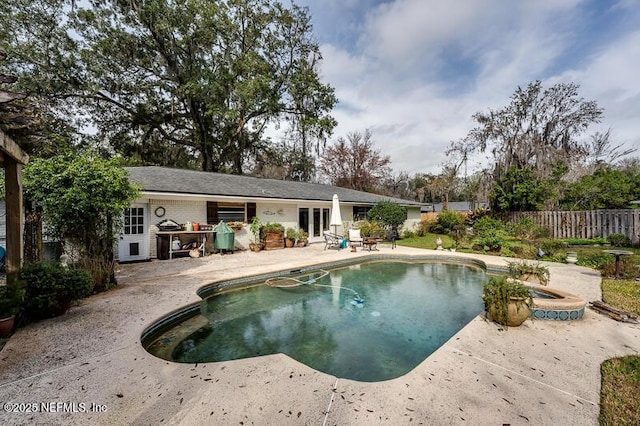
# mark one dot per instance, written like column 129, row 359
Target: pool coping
column 539, row 373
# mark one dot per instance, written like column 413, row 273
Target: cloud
column 414, row 72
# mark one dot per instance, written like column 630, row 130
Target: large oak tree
column 539, row 130
column 173, row 82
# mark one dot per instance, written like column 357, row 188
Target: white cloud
column 420, row 69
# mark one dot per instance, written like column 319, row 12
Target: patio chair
column 331, row 240
column 355, row 239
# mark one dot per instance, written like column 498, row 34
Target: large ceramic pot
column 6, row 326
column 519, row 311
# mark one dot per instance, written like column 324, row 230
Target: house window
column 360, row 212
column 229, row 212
column 134, row 221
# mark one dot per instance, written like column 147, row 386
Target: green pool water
column 409, row 311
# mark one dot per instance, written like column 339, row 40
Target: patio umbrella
column 336, row 219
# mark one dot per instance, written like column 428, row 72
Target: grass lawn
column 623, row 294
column 620, row 391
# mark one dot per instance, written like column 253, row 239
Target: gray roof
column 180, row 181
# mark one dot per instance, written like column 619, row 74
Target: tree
column 606, row 188
column 82, row 198
column 539, row 130
column 391, row 215
column 190, row 81
column 355, row 163
column 518, row 190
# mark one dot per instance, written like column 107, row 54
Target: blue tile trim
column 558, row 315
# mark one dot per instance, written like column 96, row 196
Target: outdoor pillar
column 13, row 197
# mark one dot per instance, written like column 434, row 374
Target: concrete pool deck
column 542, row 372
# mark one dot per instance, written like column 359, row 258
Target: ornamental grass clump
column 499, row 292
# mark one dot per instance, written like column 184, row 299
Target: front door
column 134, row 243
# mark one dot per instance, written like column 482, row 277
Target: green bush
column 619, row 240
column 424, row 227
column 487, row 224
column 594, row 260
column 11, row 300
column 552, row 246
column 51, row 287
column 473, row 216
column 628, row 269
column 525, row 228
column 408, row 234
column 370, row 228
column 388, row 214
column 585, row 241
column 492, row 239
column 448, row 221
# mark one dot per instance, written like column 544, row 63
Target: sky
column 415, row 71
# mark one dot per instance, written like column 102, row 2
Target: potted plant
column 11, row 299
column 255, row 246
column 291, row 235
column 272, row 234
column 531, row 272
column 303, row 238
column 507, row 302
column 51, row 287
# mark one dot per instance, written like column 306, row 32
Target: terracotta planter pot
column 518, row 312
column 6, row 326
column 288, row 242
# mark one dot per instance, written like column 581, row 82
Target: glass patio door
column 314, row 220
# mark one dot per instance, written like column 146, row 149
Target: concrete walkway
column 543, row 372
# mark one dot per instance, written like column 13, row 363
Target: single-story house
column 208, row 198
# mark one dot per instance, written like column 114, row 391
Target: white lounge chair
column 355, row 239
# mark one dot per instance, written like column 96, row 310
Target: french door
column 314, row 220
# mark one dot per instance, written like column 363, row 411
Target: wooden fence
column 586, row 224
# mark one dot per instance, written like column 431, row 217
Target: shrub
column 388, row 214
column 473, row 216
column 595, row 260
column 424, row 227
column 408, row 234
column 51, row 287
column 619, row 240
column 486, row 224
column 271, row 228
column 523, row 270
column 525, row 228
column 552, row 246
column 11, row 300
column 370, row 228
column 493, row 239
column 585, row 241
column 628, row 269
column 448, row 221
column 291, row 234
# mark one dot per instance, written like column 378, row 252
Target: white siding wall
column 413, row 219
column 183, row 211
column 286, row 214
column 180, row 211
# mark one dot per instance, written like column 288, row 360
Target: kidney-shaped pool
column 370, row 322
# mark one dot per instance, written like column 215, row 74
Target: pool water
column 408, row 311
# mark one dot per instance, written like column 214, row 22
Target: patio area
column 91, row 358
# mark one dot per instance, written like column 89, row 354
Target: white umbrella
column 336, row 219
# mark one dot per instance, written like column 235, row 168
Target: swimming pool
column 408, row 310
